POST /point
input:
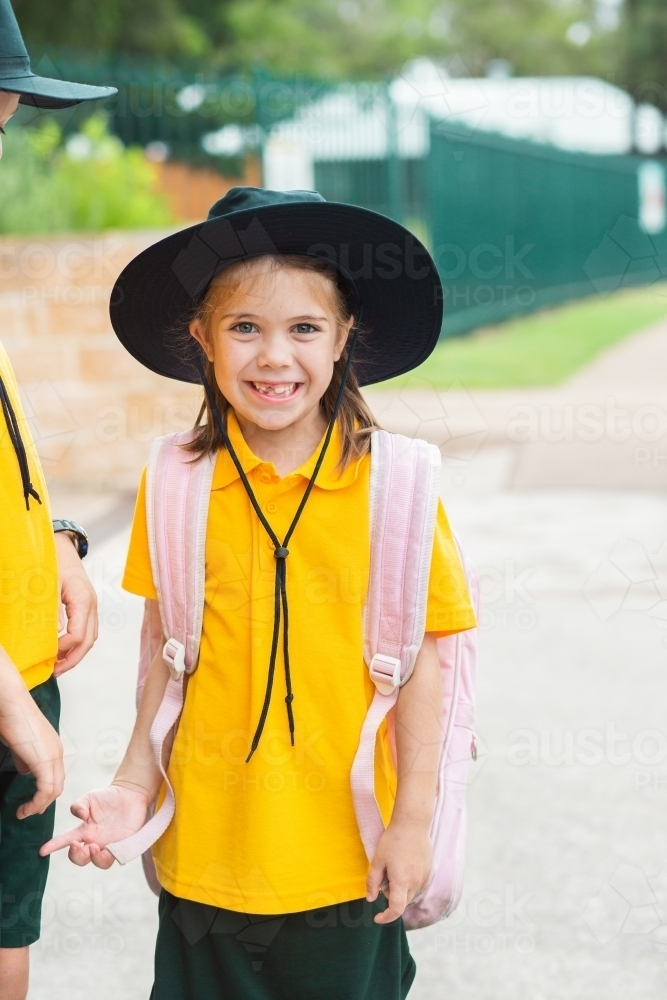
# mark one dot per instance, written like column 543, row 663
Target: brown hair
column 355, row 420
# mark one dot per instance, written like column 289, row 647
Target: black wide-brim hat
column 16, row 77
column 394, row 285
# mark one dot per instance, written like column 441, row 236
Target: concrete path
column 566, row 883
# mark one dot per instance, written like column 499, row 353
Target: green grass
column 545, row 347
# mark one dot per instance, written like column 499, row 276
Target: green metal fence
column 178, row 104
column 369, row 183
column 513, row 225
column 516, row 226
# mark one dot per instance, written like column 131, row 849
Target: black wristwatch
column 79, row 536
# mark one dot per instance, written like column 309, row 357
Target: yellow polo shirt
column 29, row 592
column 279, row 834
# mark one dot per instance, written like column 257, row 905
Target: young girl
column 281, row 305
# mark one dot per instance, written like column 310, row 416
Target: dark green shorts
column 336, row 953
column 22, row 871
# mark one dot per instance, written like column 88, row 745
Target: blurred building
column 578, row 114
column 527, row 191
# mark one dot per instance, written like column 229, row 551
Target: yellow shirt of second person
column 279, row 834
column 29, row 592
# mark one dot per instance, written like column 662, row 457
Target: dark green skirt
column 336, row 953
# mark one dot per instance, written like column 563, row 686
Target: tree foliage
column 644, row 50
column 376, row 37
column 326, row 38
column 148, row 27
column 369, row 38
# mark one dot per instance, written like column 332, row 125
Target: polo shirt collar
column 328, row 478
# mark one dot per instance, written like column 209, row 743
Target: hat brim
column 44, row 92
column 392, row 273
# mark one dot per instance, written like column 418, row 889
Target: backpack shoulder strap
column 178, row 492
column 404, row 492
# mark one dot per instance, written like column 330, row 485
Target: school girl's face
column 273, row 340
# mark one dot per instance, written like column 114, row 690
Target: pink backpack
column 404, row 491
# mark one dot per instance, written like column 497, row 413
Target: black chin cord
column 281, row 552
column 19, row 448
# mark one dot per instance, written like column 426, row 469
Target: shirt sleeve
column 449, row 608
column 138, row 575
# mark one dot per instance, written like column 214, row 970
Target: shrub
column 90, row 182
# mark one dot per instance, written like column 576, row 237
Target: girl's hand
column 36, row 749
column 107, row 815
column 80, row 600
column 403, row 861
column 34, row 744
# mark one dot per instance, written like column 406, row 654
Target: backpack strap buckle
column 385, row 673
column 173, row 655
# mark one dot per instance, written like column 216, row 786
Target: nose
column 275, row 351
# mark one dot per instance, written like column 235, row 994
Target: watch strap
column 80, row 535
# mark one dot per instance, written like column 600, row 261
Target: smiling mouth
column 275, row 390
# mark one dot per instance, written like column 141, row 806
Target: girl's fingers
column 100, row 857
column 37, row 804
column 374, row 880
column 46, row 794
column 68, row 839
column 398, row 900
column 79, row 854
column 81, row 809
column 50, row 779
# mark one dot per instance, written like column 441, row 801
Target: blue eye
column 245, row 327
column 304, row 328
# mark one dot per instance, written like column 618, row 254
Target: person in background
column 40, row 568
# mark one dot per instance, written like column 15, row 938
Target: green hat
column 389, row 273
column 16, row 77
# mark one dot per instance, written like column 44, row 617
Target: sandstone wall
column 93, row 409
column 191, row 192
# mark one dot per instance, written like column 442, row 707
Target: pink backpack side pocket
column 458, row 662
